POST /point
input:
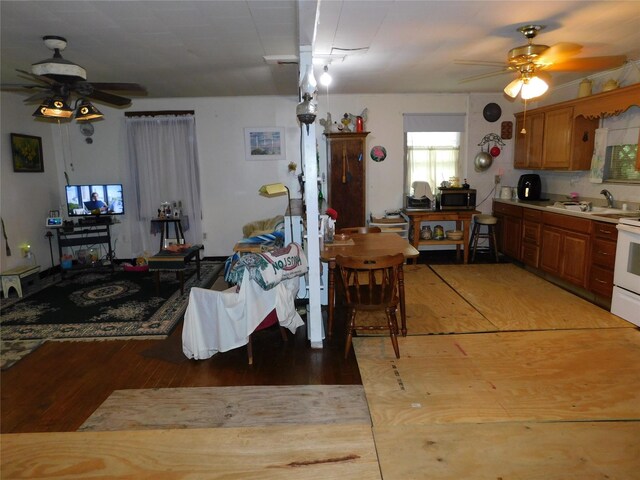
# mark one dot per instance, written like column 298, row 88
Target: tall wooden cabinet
column 346, row 161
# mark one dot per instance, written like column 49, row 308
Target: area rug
column 102, row 305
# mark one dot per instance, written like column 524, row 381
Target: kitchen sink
column 572, row 207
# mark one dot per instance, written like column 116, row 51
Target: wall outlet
column 204, row 235
column 497, row 179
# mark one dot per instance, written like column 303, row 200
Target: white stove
column 626, row 277
column 634, row 222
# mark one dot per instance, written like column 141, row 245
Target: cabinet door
column 346, row 192
column 550, row 259
column 558, row 125
column 528, row 148
column 511, row 236
column 575, row 255
column 565, row 254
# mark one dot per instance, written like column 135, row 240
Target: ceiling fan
column 532, row 61
column 57, row 79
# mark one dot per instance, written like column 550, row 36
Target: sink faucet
column 608, row 196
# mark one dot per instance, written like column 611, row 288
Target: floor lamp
column 275, row 190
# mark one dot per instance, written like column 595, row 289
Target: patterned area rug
column 101, row 305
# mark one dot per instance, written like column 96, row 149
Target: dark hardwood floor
column 57, row 387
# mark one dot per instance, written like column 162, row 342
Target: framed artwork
column 264, row 143
column 26, row 151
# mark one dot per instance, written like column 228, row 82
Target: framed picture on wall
column 26, row 151
column 264, row 143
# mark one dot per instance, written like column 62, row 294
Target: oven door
column 627, row 267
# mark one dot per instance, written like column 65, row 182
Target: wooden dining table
column 366, row 245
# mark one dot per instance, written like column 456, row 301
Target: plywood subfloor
column 300, row 452
column 523, row 451
column 215, row 407
column 434, row 307
column 575, row 375
column 513, row 299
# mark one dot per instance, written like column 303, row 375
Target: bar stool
column 478, row 221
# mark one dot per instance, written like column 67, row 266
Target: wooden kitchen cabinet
column 347, row 181
column 528, row 146
column 555, row 139
column 566, row 247
column 508, row 228
column 603, row 257
column 531, row 237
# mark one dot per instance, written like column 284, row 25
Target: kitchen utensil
column 495, row 151
column 482, row 161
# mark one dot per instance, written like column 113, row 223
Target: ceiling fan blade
column 588, row 64
column 486, row 75
column 479, row 62
column 110, row 98
column 38, row 96
column 558, row 53
column 39, row 78
column 123, row 87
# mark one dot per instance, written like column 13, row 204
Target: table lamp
column 275, row 190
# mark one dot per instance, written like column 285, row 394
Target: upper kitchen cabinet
column 561, row 136
column 346, row 169
column 554, row 140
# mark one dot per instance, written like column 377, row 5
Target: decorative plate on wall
column 491, row 112
column 378, row 153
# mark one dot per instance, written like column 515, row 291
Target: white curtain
column 431, row 164
column 163, row 160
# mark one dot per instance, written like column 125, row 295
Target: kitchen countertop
column 543, row 205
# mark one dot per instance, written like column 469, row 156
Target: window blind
column 435, row 122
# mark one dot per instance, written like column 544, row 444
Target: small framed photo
column 26, row 151
column 264, row 143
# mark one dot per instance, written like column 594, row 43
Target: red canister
column 359, row 124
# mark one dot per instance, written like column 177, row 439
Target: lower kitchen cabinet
column 566, row 247
column 509, row 228
column 531, row 237
column 603, row 257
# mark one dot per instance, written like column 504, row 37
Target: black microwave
column 457, row 199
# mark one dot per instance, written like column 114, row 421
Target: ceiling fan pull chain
column 524, row 119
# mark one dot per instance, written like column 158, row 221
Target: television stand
column 96, row 220
column 89, row 235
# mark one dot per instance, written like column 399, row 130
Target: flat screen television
column 94, row 199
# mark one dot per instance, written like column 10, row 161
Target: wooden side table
column 13, row 278
column 163, row 225
column 463, row 222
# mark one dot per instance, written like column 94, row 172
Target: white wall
column 26, row 198
column 229, row 182
column 385, row 179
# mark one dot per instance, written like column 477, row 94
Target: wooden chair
column 371, row 284
column 360, row 230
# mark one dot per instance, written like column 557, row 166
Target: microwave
column 457, row 199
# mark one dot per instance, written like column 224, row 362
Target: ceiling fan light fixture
column 54, row 107
column 87, row 111
column 533, row 87
column 514, row 88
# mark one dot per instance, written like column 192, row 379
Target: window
column 432, row 148
column 621, row 154
column 621, row 163
column 431, row 157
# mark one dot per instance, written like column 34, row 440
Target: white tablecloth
column 220, row 321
